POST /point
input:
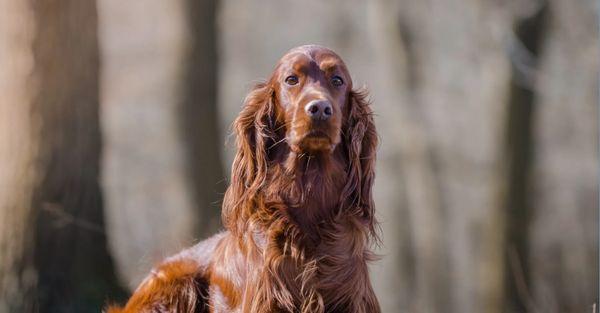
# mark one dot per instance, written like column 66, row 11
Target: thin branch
column 64, row 218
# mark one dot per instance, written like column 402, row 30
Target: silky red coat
column 299, row 213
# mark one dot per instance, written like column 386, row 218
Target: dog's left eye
column 291, row 80
column 337, row 81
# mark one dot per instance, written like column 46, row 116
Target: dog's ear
column 253, row 129
column 360, row 138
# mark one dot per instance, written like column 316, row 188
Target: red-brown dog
column 299, row 213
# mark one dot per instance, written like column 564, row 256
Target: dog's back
column 179, row 284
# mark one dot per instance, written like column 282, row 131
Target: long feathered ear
column 360, row 137
column 253, row 129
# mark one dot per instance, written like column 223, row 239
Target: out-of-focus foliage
column 115, row 116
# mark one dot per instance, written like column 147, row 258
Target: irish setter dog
column 299, row 213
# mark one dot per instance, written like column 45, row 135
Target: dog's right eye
column 291, row 80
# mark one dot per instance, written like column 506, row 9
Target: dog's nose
column 319, row 109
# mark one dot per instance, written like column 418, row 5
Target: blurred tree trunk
column 162, row 147
column 75, row 270
column 563, row 244
column 524, row 45
column 405, row 188
column 444, row 151
column 199, row 116
column 19, row 138
column 53, row 206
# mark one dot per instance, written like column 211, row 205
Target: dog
column 299, row 212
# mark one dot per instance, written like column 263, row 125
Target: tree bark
column 54, row 255
column 19, row 138
column 75, row 270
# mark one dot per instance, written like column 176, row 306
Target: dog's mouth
column 317, row 134
column 315, row 141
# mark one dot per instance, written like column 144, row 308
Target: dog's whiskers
column 278, row 142
column 282, row 125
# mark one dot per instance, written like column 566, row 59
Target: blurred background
column 115, row 145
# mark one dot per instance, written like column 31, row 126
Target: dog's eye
column 337, row 81
column 291, row 80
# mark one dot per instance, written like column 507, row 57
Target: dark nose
column 319, row 109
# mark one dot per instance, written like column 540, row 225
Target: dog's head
column 311, row 87
column 307, row 107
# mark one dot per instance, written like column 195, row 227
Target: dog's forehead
column 301, row 57
column 312, row 53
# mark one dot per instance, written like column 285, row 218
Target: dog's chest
column 335, row 269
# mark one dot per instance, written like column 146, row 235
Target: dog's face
column 308, row 103
column 312, row 86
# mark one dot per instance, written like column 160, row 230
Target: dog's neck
column 309, row 185
column 305, row 240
